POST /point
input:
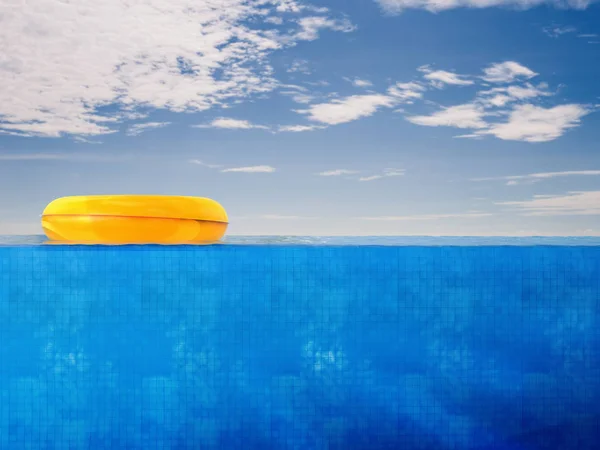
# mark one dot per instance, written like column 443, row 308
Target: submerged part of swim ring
column 122, row 219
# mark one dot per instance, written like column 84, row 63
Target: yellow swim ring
column 131, row 219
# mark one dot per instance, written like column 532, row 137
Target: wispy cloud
column 397, row 6
column 319, row 83
column 300, row 128
column 386, row 173
column 532, row 123
column 311, row 26
column 293, row 87
column 15, row 133
column 347, row 109
column 507, row 72
column 337, row 172
column 82, row 140
column 139, row 128
column 300, row 66
column 468, row 136
column 577, row 203
column 441, row 78
column 354, row 107
column 406, row 92
column 592, row 37
column 198, row 55
column 487, row 115
column 469, row 115
column 274, row 20
column 535, row 177
column 248, row 169
column 299, row 96
column 231, row 124
column 419, row 217
column 202, row 163
column 251, row 169
column 555, row 31
column 500, row 96
column 359, row 82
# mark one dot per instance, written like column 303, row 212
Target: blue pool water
column 301, row 343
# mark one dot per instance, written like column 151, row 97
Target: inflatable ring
column 134, row 219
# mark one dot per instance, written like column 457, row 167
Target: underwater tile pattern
column 299, row 347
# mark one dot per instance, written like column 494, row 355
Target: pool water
column 301, row 343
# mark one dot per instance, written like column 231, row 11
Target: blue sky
column 346, row 117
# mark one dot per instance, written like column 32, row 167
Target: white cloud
column 507, row 72
column 251, row 169
column 274, row 20
column 406, row 92
column 300, row 66
column 299, row 97
column 501, row 96
column 82, row 140
column 299, row 128
column 468, row 136
column 532, row 123
column 574, row 203
column 535, row 177
column 348, row 109
column 354, row 107
column 139, row 128
column 397, row 6
column 527, row 91
column 498, row 100
column 311, row 26
column 386, row 173
column 337, row 172
column 370, row 178
column 231, row 124
column 487, row 115
column 15, row 133
column 62, row 61
column 293, row 87
column 528, row 123
column 202, row 163
column 440, row 78
column 298, row 93
column 472, row 215
column 468, row 115
column 359, row 82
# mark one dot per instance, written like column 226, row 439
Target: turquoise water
column 291, row 342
